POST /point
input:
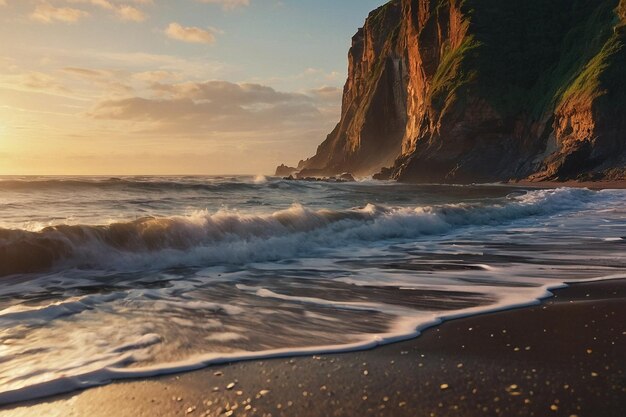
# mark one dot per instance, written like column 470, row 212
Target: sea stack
column 483, row 90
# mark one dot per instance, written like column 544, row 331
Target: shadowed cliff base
column 483, row 90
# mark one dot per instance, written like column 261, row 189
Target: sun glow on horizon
column 88, row 90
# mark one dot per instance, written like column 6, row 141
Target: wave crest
column 226, row 237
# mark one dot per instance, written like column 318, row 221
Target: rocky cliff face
column 483, row 90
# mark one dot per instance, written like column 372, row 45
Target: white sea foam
column 404, row 328
column 253, row 281
column 227, row 237
column 260, row 179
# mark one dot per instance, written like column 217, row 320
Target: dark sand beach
column 564, row 357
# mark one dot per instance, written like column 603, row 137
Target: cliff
column 483, row 90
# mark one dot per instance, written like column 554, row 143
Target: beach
column 200, row 218
column 309, row 308
column 564, row 357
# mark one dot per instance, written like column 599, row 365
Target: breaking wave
column 227, row 237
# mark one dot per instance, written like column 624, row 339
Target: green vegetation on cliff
column 533, row 52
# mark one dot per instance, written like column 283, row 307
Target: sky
column 139, row 87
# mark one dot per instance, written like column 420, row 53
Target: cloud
column 327, row 93
column 190, row 34
column 122, row 11
column 40, row 82
column 154, row 77
column 47, row 13
column 130, row 13
column 109, row 81
column 217, row 106
column 228, row 4
column 229, row 93
column 86, row 72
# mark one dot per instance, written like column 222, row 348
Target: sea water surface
column 111, row 278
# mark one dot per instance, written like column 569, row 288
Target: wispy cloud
column 123, row 11
column 228, row 4
column 327, row 93
column 130, row 13
column 86, row 72
column 190, row 34
column 39, row 82
column 153, row 77
column 48, row 13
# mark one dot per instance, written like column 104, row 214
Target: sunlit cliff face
column 158, row 87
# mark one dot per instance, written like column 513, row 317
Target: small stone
column 230, row 386
column 444, row 386
column 190, row 410
column 218, row 373
column 264, row 392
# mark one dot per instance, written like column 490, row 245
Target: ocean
column 112, row 278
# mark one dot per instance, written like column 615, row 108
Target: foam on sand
column 404, row 328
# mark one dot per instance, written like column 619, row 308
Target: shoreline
column 353, row 381
column 592, row 185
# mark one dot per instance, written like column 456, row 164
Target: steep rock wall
column 483, row 90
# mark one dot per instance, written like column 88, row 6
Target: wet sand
column 565, row 357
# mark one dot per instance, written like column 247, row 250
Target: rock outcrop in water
column 285, row 171
column 483, row 90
